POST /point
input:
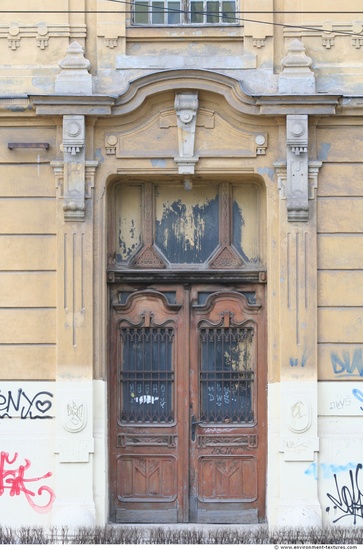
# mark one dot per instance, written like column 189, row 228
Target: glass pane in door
column 147, row 375
column 227, row 375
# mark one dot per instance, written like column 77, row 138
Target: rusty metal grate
column 147, row 375
column 227, row 375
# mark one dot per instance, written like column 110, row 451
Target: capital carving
column 186, row 106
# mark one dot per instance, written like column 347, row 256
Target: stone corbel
column 74, row 167
column 75, row 175
column 186, row 106
column 282, row 179
column 297, row 188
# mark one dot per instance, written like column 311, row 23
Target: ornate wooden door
column 188, row 403
column 227, row 404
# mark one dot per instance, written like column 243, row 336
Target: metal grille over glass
column 171, row 12
column 146, row 375
column 227, row 375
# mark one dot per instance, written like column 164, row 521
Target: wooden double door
column 187, row 379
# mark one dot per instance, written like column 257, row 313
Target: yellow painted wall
column 340, row 239
column 28, row 261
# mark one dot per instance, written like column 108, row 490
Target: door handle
column 194, row 422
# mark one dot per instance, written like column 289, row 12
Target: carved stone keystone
column 186, row 106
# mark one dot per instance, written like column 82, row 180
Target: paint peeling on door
column 187, row 223
column 128, row 208
column 246, row 226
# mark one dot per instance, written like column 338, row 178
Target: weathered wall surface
column 107, row 115
column 27, row 251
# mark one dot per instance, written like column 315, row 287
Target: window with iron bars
column 184, row 12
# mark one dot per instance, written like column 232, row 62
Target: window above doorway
column 164, row 226
column 184, row 12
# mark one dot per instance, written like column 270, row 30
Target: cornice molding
column 179, row 80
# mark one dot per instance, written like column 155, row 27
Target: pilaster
column 298, row 433
column 74, row 444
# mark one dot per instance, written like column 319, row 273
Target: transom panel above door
column 163, row 226
column 188, row 403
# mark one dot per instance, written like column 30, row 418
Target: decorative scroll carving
column 230, row 441
column 146, row 440
column 186, row 105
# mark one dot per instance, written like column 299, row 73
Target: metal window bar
column 227, row 375
column 174, row 12
column 146, row 375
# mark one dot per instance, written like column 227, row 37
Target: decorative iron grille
column 227, row 375
column 147, row 375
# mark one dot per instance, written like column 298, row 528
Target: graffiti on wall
column 348, row 499
column 35, row 407
column 296, row 362
column 358, row 395
column 347, row 365
column 14, row 480
column 326, row 470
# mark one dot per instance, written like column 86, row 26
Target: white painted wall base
column 303, row 493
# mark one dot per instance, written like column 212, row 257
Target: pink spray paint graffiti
column 13, row 480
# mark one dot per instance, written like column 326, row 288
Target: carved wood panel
column 231, row 479
column 146, row 478
column 200, row 454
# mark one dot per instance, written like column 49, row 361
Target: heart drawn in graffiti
column 43, row 406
